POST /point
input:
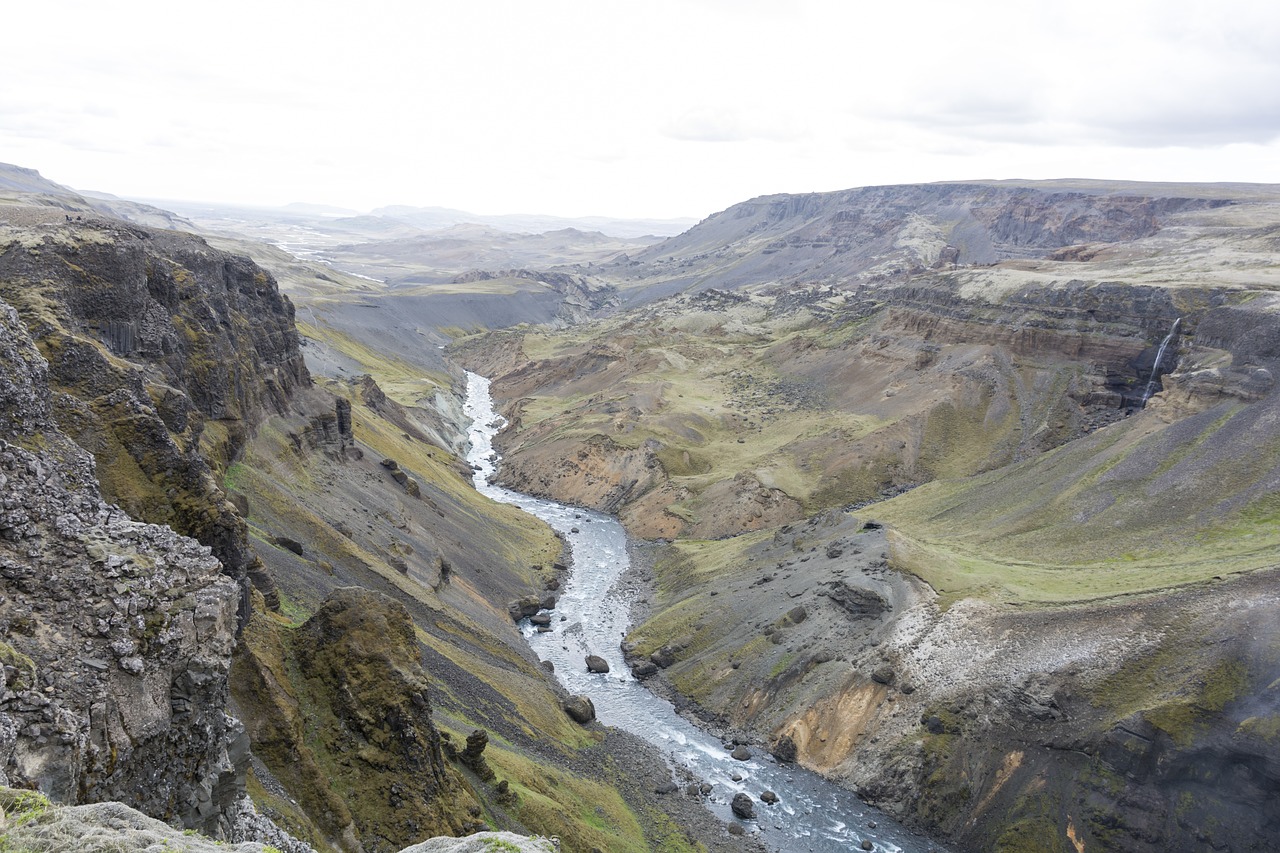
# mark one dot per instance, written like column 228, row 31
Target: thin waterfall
column 1155, row 368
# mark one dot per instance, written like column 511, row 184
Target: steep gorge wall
column 137, row 364
column 117, row 634
column 163, row 354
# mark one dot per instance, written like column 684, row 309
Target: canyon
column 902, row 508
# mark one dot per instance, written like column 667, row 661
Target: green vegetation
column 21, row 806
column 1033, row 532
column 25, row 679
column 406, row 383
column 1181, row 687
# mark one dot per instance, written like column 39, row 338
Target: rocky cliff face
column 117, row 634
column 163, row 354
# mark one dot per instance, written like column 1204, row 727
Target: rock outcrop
column 36, row 824
column 351, row 740
column 116, row 634
column 164, row 353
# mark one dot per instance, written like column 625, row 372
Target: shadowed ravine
column 590, row 618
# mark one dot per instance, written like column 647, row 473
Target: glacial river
column 591, row 617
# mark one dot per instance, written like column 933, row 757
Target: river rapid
column 591, row 617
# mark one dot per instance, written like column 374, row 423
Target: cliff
column 163, row 355
column 117, row 634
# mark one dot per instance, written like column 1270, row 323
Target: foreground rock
column 119, row 634
column 367, row 693
column 34, row 825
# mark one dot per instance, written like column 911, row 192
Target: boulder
column 883, row 675
column 741, row 753
column 768, row 797
column 289, row 544
column 743, row 806
column 644, row 669
column 580, row 709
column 663, row 657
column 525, row 607
column 597, row 664
column 784, row 749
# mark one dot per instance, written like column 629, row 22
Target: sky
column 630, row 109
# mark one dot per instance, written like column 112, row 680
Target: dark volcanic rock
column 194, row 335
column 597, row 664
column 644, row 669
column 580, row 708
column 289, row 544
column 743, row 806
column 118, row 634
column 855, row 601
column 784, row 749
column 883, row 675
column 524, row 607
column 663, row 657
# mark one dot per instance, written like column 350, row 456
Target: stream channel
column 592, row 616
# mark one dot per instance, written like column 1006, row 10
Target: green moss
column 21, row 806
column 1180, row 688
column 680, row 462
column 25, row 666
column 781, row 665
column 1037, row 834
column 1266, row 728
column 583, row 812
column 1185, row 717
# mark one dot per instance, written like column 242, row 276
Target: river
column 591, row 617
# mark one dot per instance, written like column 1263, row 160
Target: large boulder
column 597, row 664
column 580, row 709
column 784, row 749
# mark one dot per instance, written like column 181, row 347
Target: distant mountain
column 435, row 218
column 440, row 255
column 872, row 235
column 19, row 179
column 28, row 186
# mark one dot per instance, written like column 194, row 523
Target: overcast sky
column 630, row 108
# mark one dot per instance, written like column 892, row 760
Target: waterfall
column 1155, row 368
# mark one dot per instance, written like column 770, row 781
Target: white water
column 591, row 617
column 1155, row 368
